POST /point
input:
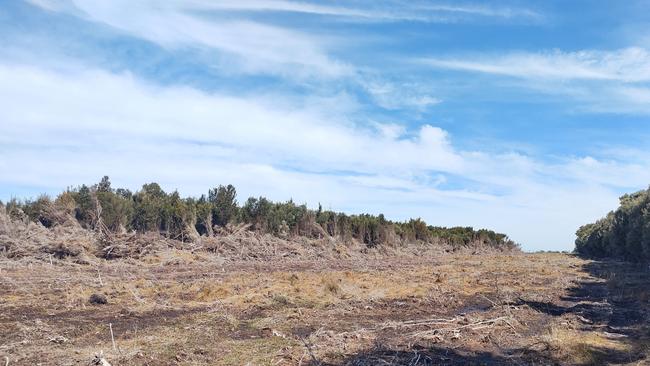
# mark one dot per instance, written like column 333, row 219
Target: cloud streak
column 253, row 46
column 603, row 81
column 372, row 11
column 239, row 43
column 630, row 65
column 365, row 10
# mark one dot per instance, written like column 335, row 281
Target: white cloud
column 636, row 94
column 373, row 11
column 601, row 81
column 482, row 10
column 65, row 128
column 254, row 47
column 625, row 65
column 407, row 95
column 121, row 104
column 607, row 172
column 367, row 11
column 283, row 6
column 390, row 130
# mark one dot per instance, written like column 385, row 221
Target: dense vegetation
column 101, row 207
column 623, row 234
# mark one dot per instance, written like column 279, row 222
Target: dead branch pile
column 241, row 243
column 134, row 245
column 64, row 238
column 21, row 238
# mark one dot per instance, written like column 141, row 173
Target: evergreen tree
column 224, row 201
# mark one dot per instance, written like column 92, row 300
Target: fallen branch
column 415, row 323
column 311, row 353
column 490, row 300
column 473, row 326
column 137, row 298
column 110, row 326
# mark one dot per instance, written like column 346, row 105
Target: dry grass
column 581, row 348
column 188, row 308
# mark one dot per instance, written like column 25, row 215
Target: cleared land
column 182, row 308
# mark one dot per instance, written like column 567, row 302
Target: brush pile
column 20, row 237
column 57, row 234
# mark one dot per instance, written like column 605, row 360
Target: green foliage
column 149, row 209
column 104, row 185
column 14, row 209
column 203, row 216
column 224, row 202
column 152, row 209
column 623, row 234
column 276, row 218
column 329, row 221
column 287, row 218
column 85, row 212
column 178, row 216
column 369, row 229
column 116, row 209
column 256, row 212
column 418, row 230
column 37, row 210
column 66, row 203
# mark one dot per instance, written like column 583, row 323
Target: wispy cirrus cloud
column 392, row 95
column 257, row 46
column 483, row 10
column 615, row 81
column 625, row 65
column 378, row 12
column 237, row 42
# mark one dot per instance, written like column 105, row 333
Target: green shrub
column 623, row 233
column 152, row 209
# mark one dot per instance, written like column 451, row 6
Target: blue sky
column 529, row 118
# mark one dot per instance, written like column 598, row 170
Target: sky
column 528, row 118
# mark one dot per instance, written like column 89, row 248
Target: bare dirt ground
column 184, row 308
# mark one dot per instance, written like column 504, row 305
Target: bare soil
column 185, row 308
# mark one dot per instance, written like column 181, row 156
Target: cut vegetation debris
column 110, row 223
column 77, row 288
column 494, row 309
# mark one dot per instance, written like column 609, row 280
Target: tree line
column 623, row 233
column 151, row 209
